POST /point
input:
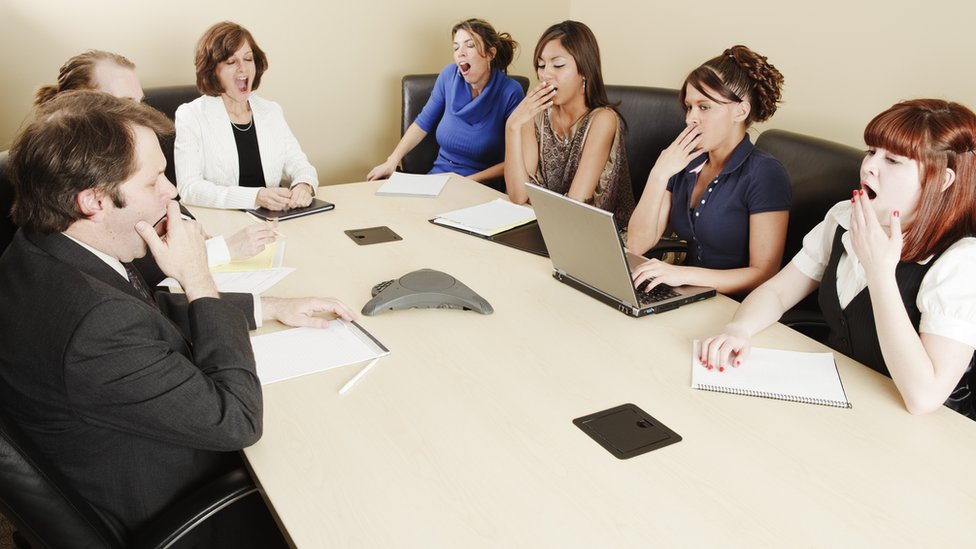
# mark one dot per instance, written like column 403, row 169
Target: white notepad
column 810, row 378
column 488, row 219
column 408, row 184
column 301, row 351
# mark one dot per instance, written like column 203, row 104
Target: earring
column 584, row 84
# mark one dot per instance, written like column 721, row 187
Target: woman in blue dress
column 469, row 104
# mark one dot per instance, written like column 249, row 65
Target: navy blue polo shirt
column 717, row 227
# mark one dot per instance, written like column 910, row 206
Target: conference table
column 464, row 437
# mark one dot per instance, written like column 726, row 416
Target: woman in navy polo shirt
column 468, row 106
column 727, row 199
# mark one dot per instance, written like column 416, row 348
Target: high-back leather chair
column 7, row 227
column 822, row 173
column 48, row 513
column 654, row 118
column 416, row 90
column 166, row 99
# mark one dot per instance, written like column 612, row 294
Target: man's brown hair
column 76, row 141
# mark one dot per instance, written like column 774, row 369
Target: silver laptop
column 587, row 254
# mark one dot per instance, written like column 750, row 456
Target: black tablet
column 281, row 215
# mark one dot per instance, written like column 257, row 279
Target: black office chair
column 654, row 118
column 48, row 513
column 166, row 99
column 416, row 90
column 822, row 173
column 7, row 227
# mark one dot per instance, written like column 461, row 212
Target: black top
column 853, row 330
column 248, row 155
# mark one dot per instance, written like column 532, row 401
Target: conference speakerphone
column 425, row 289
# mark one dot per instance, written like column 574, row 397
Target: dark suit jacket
column 136, row 406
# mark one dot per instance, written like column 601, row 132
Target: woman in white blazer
column 234, row 149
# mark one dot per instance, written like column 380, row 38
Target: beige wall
column 335, row 67
column 844, row 60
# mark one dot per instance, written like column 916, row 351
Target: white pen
column 274, row 223
column 357, row 377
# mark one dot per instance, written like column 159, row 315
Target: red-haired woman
column 895, row 265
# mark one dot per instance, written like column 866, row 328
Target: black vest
column 854, row 333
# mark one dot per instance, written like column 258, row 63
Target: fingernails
column 142, row 226
column 738, row 362
column 896, row 213
column 854, row 192
column 721, row 368
column 709, row 366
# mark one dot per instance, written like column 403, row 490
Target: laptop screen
column 583, row 243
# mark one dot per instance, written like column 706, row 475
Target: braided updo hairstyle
column 739, row 74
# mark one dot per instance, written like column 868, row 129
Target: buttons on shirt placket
column 711, row 186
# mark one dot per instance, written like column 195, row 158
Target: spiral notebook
column 809, row 378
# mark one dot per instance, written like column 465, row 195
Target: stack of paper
column 406, row 184
column 255, row 275
column 301, row 351
column 488, row 219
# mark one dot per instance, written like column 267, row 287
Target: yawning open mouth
column 241, row 85
column 869, row 191
column 465, row 67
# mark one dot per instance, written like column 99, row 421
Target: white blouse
column 946, row 297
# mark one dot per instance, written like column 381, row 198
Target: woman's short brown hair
column 217, row 45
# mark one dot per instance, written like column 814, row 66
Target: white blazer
column 205, row 154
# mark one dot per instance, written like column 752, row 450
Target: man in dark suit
column 136, row 401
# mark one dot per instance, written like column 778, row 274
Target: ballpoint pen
column 357, row 377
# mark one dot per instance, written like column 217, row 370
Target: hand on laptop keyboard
column 655, row 294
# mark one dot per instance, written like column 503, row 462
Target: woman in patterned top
column 566, row 136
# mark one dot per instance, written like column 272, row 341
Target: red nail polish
column 852, row 201
column 738, row 362
column 896, row 213
column 721, row 368
column 709, row 366
column 854, row 192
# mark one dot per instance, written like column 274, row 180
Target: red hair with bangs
column 939, row 135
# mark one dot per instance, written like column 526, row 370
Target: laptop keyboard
column 656, row 294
